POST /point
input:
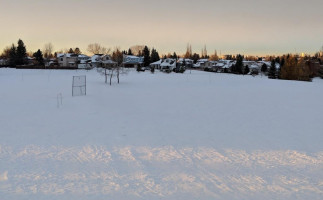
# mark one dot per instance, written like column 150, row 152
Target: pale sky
column 250, row 27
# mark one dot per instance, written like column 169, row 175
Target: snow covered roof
column 68, row 55
column 264, row 62
column 96, row 58
column 108, row 62
column 186, row 60
column 156, row 63
column 203, row 60
column 128, row 59
column 131, row 56
column 227, row 66
column 83, row 56
column 253, row 66
column 168, row 62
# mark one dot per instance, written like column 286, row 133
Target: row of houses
column 97, row 60
column 207, row 65
column 82, row 61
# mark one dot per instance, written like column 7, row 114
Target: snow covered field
column 159, row 136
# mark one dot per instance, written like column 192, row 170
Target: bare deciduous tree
column 6, row 52
column 113, row 66
column 137, row 49
column 48, row 50
column 117, row 56
column 98, row 49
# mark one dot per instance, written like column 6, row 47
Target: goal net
column 79, row 86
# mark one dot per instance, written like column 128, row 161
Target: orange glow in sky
column 228, row 26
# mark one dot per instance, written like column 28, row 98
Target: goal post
column 79, row 86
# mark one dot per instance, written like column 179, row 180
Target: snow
column 174, row 136
column 157, row 62
column 96, row 58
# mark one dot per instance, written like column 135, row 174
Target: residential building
column 72, row 60
column 132, row 61
column 168, row 64
column 67, row 60
column 188, row 62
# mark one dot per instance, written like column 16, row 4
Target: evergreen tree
column 13, row 56
column 129, row 52
column 70, row 51
column 21, row 53
column 272, row 70
column 239, row 64
column 282, row 62
column 174, row 56
column 39, row 57
column 195, row 57
column 157, row 55
column 154, row 55
column 146, row 53
column 183, row 67
column 140, row 53
column 320, row 72
column 264, row 68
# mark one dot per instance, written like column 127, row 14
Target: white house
column 156, row 64
column 203, row 63
column 224, row 65
column 71, row 60
column 67, row 60
column 132, row 61
column 168, row 64
column 101, row 60
column 188, row 62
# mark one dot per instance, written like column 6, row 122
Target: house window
column 61, row 59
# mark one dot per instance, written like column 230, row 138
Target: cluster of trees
column 288, row 67
column 291, row 67
column 295, row 69
column 17, row 54
column 204, row 55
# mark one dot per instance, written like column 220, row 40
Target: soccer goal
column 79, row 86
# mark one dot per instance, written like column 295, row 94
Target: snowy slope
column 159, row 136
